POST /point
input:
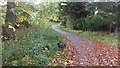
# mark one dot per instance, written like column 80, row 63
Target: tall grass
column 33, row 46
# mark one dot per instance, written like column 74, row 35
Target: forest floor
column 87, row 52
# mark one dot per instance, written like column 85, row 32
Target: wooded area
column 29, row 38
column 101, row 16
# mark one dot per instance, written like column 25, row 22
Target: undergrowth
column 33, row 46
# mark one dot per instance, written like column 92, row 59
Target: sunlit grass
column 105, row 38
column 111, row 40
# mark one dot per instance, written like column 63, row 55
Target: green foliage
column 34, row 45
column 21, row 13
column 70, row 12
column 74, row 8
column 112, row 40
column 31, row 42
column 40, row 59
column 96, row 22
column 63, row 21
column 15, row 63
column 82, row 16
column 48, row 11
column 79, row 24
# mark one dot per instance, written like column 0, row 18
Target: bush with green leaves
column 94, row 23
column 79, row 24
column 63, row 21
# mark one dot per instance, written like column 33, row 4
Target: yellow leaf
column 3, row 23
column 18, row 25
column 11, row 27
column 14, row 29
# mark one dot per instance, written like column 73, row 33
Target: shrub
column 79, row 24
column 94, row 23
column 63, row 21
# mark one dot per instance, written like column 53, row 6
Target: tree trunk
column 110, row 27
column 10, row 20
column 10, row 17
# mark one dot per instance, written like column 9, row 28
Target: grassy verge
column 33, row 46
column 105, row 38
